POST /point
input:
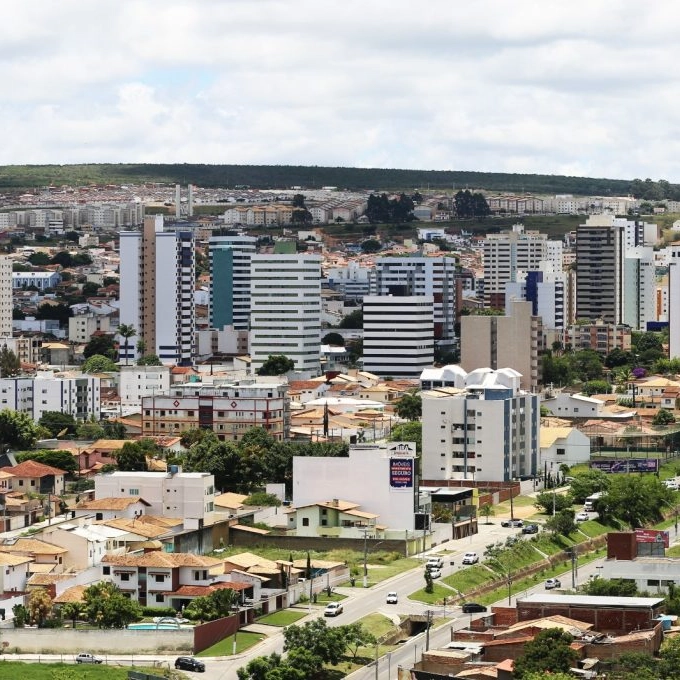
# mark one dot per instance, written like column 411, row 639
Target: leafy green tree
column 98, row 363
column 149, row 360
column 62, row 460
column 59, row 312
column 548, row 652
column 220, row 458
column 100, row 344
column 39, row 259
column 192, row 436
column 429, row 582
column 72, row 610
column 263, row 499
column 562, row 523
column 17, row 430
column 410, row 406
column 587, row 483
column 107, row 607
column 370, row 246
column 325, row 643
column 20, row 614
column 39, row 606
column 126, row 331
column 90, row 431
column 201, row 609
column 596, row 387
column 646, row 341
column 636, row 500
column 131, row 457
column 113, row 429
column 663, row 418
column 276, row 364
column 669, row 658
column 354, row 319
column 62, row 258
column 356, row 636
column 334, row 339
column 90, row 289
column 58, row 423
column 544, row 501
column 487, row 511
column 617, row 587
column 10, row 365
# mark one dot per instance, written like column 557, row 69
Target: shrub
column 158, row 611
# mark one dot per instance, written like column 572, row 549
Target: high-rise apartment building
column 487, row 431
column 507, row 254
column 157, row 274
column 600, row 254
column 230, row 281
column 285, row 309
column 418, row 276
column 674, row 302
column 639, row 287
column 6, row 302
column 398, row 334
column 546, row 291
column 504, row 341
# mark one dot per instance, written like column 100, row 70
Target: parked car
column 553, row 583
column 333, row 609
column 672, row 484
column 582, row 517
column 392, row 597
column 188, row 663
column 470, row 558
column 473, row 608
column 435, row 573
column 512, row 523
column 530, row 529
column 85, row 657
column 434, row 563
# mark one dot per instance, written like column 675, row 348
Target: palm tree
column 126, row 331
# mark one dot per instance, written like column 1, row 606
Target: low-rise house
column 86, row 545
column 563, row 445
column 36, row 478
column 14, row 572
column 112, row 508
column 46, row 558
column 332, row 518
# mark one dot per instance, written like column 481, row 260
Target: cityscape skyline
column 488, row 86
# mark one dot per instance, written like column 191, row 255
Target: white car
column 333, row 609
column 392, row 597
column 470, row 558
column 582, row 516
column 435, row 573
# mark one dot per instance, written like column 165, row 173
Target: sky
column 584, row 87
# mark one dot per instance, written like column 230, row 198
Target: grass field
column 285, row 617
column 225, row 647
column 12, row 670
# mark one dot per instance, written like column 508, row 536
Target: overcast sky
column 550, row 86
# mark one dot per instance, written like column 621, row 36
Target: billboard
column 628, row 465
column 401, row 473
column 652, row 536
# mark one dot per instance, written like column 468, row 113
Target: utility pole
column 573, row 568
column 512, row 505
column 365, row 558
column 427, row 630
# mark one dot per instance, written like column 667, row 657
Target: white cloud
column 585, row 87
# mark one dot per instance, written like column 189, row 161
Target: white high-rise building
column 639, row 288
column 507, row 254
column 230, row 281
column 674, row 302
column 157, row 274
column 285, row 304
column 398, row 334
column 488, row 431
column 6, row 301
column 546, row 291
column 418, row 276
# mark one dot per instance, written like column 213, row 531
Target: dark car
column 473, row 608
column 530, row 529
column 188, row 663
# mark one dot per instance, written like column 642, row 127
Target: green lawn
column 282, row 618
column 225, row 647
column 10, row 670
column 378, row 624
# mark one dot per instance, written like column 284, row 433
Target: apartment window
column 190, row 414
column 134, row 492
column 106, row 571
column 560, row 452
column 305, row 521
column 160, row 578
column 125, row 577
column 160, row 597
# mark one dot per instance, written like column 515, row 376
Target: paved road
column 359, row 603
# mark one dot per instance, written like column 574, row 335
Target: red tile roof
column 31, row 468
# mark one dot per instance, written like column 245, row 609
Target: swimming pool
column 156, row 626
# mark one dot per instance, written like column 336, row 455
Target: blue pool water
column 154, row 626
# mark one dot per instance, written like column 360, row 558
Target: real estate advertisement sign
column 401, row 473
column 627, row 465
column 652, row 536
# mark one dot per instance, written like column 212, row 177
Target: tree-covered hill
column 281, row 176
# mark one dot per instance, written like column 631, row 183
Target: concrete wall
column 56, row 640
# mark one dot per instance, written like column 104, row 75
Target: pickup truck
column 434, row 563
